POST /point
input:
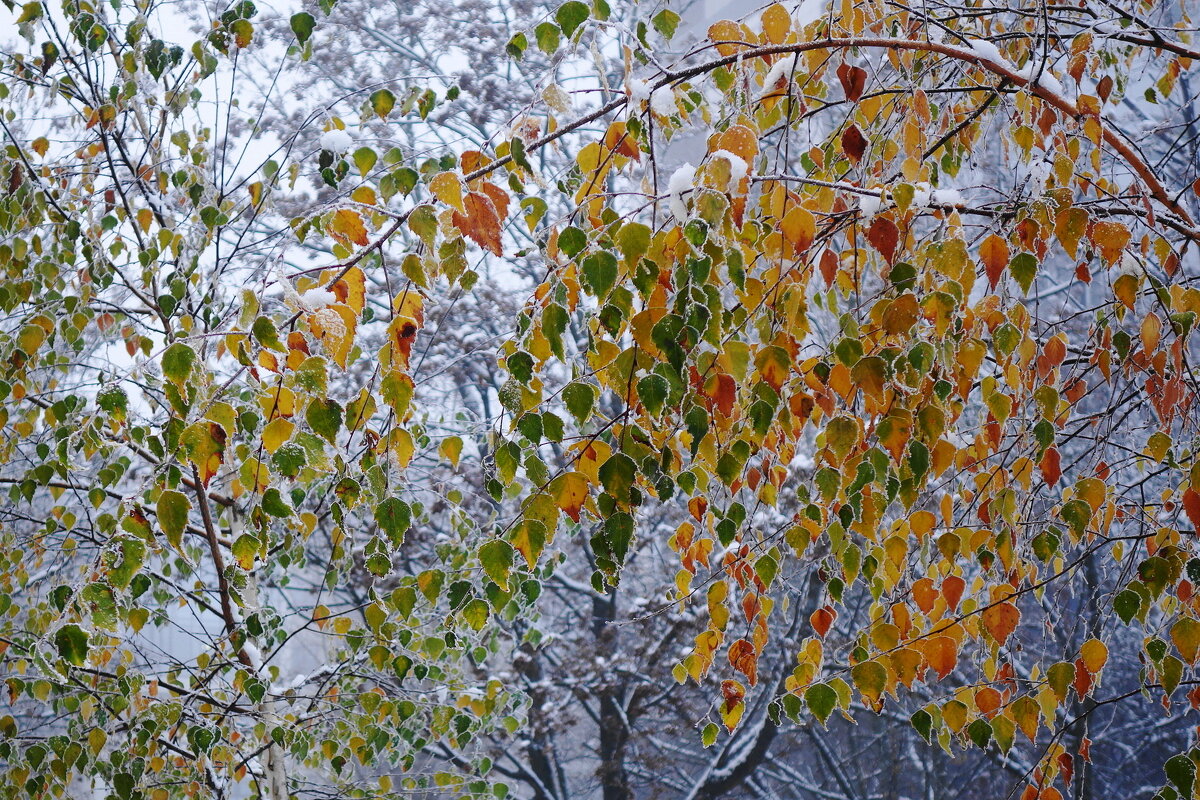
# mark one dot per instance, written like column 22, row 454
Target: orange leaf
column 1191, row 507
column 822, row 620
column 799, row 227
column 994, row 254
column 744, row 659
column 480, row 222
column 1001, row 620
column 942, row 654
column 952, row 590
column 347, row 225
column 924, row 594
column 829, row 265
column 1110, row 238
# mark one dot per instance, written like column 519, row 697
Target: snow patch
column 316, row 299
column 948, row 197
column 738, row 168
column 639, row 90
column 779, row 78
column 662, row 102
column 336, row 141
column 989, row 52
column 682, row 180
column 870, row 204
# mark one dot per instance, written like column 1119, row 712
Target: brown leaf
column 854, row 80
column 854, row 144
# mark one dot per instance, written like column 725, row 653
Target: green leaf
column 497, row 558
column 570, row 16
column 1127, row 604
column 382, row 102
column 177, row 363
column 72, row 643
column 245, row 549
column 547, row 36
column 364, row 159
column 821, row 700
column 572, row 241
column 617, row 474
column 1181, row 771
column 652, row 391
column 394, row 517
column 665, row 22
column 303, row 25
column 1023, row 268
column 580, row 397
column 633, row 240
column 922, row 721
column 599, row 273
column 324, row 416
column 517, row 45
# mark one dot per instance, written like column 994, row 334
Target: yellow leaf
column 799, row 227
column 350, row 289
column 347, row 226
column 1125, row 287
column 1094, row 654
column 399, row 444
column 569, row 492
column 451, row 448
column 334, row 326
column 276, row 432
column 447, row 187
column 1186, row 635
column 776, row 22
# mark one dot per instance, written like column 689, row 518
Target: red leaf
column 883, row 236
column 1051, row 466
